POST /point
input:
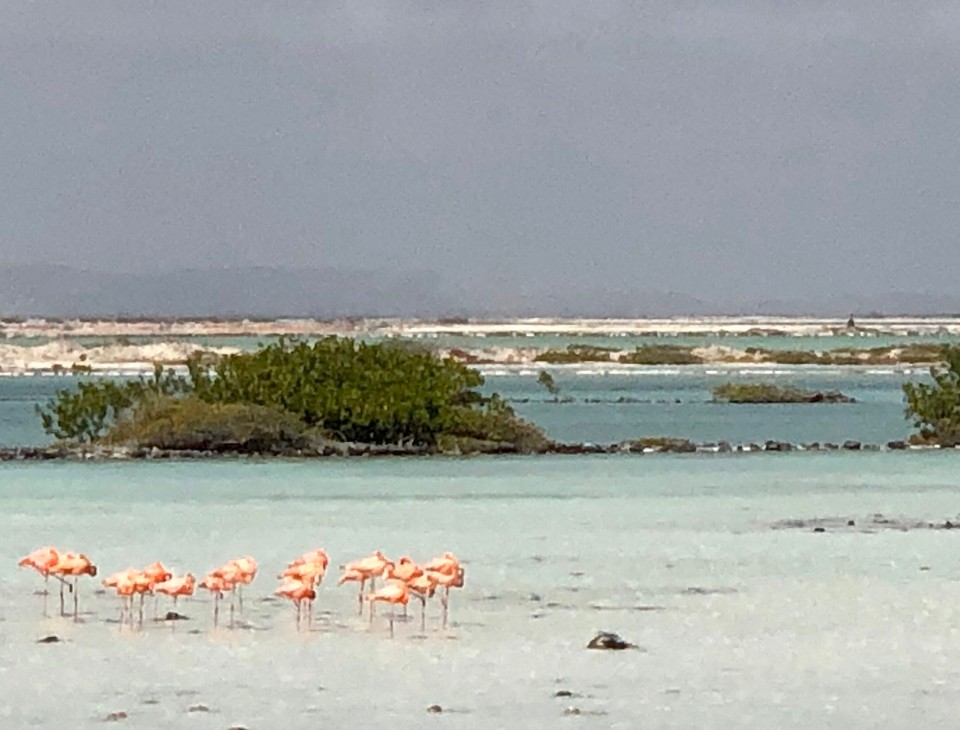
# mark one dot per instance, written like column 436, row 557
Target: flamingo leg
column 240, row 597
column 231, row 609
column 216, row 609
column 62, row 611
column 391, row 623
column 445, row 600
column 46, row 593
column 140, row 613
column 76, row 612
column 423, row 613
column 360, row 596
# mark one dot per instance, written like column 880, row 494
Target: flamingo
column 217, row 585
column 176, row 587
column 394, row 592
column 423, row 587
column 73, row 564
column 154, row 574
column 404, row 569
column 248, row 571
column 363, row 570
column 447, row 581
column 298, row 591
column 42, row 560
column 446, row 564
column 124, row 583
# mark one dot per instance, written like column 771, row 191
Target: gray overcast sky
column 727, row 149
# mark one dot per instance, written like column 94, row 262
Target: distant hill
column 59, row 291
column 63, row 291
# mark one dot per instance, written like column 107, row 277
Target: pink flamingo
column 299, row 592
column 42, row 560
column 73, row 564
column 394, row 592
column 363, row 570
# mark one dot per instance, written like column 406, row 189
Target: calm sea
column 739, row 623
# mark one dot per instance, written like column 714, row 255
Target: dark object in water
column 174, row 616
column 52, row 639
column 572, row 711
column 609, row 640
column 819, row 529
column 563, row 693
column 198, row 708
column 115, row 716
column 434, row 709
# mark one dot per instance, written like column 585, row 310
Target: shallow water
column 740, row 624
column 672, row 401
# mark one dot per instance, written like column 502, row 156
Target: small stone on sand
column 115, row 716
column 52, row 639
column 434, row 709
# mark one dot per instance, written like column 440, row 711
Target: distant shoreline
column 526, row 326
column 56, row 347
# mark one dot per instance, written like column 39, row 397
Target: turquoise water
column 740, row 624
column 673, row 401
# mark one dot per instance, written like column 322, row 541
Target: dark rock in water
column 434, row 709
column 819, row 529
column 572, row 711
column 724, row 447
column 174, row 616
column 896, row 445
column 535, row 597
column 608, row 640
column 52, row 639
column 851, row 446
column 777, row 446
column 563, row 693
column 198, row 708
column 851, row 523
column 830, row 447
column 115, row 716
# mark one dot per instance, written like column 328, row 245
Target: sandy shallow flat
column 739, row 624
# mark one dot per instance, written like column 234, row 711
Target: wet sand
column 739, row 624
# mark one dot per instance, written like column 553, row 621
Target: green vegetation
column 86, row 413
column 934, row 407
column 661, row 355
column 546, row 380
column 295, row 395
column 913, row 353
column 769, row 393
column 576, row 353
column 191, row 424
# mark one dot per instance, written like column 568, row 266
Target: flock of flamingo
column 299, row 582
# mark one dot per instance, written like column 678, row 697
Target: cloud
column 726, row 150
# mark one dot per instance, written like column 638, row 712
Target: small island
column 768, row 393
column 336, row 395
